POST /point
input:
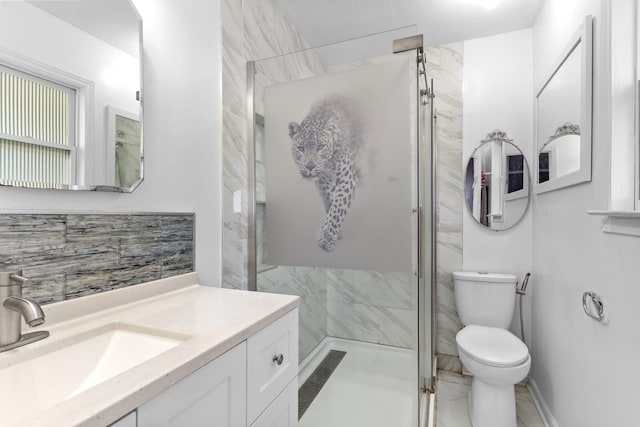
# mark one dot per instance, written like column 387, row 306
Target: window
column 543, row 166
column 515, row 173
column 37, row 128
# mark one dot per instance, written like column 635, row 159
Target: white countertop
column 216, row 319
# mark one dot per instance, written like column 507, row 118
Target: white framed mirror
column 564, row 115
column 496, row 184
column 60, row 86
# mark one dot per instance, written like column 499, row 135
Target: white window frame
column 71, row 123
column 621, row 42
column 81, row 170
column 524, row 191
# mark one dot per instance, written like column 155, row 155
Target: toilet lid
column 492, row 346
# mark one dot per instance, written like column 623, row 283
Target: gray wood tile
column 69, row 256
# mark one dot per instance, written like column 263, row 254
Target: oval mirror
column 560, row 156
column 496, row 186
column 70, row 85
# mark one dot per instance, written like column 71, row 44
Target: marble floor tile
column 452, row 405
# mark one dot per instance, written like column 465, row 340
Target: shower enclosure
column 341, row 197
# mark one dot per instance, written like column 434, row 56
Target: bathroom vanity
column 169, row 352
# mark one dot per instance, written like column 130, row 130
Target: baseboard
column 309, row 363
column 543, row 409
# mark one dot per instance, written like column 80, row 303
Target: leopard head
column 313, row 146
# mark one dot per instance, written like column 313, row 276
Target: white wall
column 181, row 131
column 498, row 94
column 583, row 371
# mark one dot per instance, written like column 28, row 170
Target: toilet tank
column 485, row 299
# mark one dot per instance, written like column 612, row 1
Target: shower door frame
column 252, row 266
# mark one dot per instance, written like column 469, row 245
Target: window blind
column 36, row 131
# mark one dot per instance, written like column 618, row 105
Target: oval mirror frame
column 497, row 204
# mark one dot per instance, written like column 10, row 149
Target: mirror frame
column 498, row 135
column 582, row 40
column 87, row 88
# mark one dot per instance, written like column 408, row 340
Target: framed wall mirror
column 564, row 115
column 496, row 185
column 71, row 91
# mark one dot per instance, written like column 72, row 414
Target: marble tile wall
column 73, row 255
column 373, row 307
column 311, row 285
column 251, row 30
column 444, row 65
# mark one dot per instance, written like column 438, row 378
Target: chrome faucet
column 12, row 306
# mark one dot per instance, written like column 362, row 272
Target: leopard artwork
column 324, row 148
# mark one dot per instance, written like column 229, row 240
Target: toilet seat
column 492, row 346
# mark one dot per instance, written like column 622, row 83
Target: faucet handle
column 12, row 278
column 23, row 281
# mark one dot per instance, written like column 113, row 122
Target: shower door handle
column 420, row 243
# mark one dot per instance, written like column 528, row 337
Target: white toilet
column 496, row 358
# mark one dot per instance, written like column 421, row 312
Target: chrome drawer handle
column 278, row 358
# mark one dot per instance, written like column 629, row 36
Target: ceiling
column 323, row 22
column 113, row 21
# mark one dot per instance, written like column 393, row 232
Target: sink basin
column 50, row 374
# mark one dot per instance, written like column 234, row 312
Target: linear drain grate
column 317, row 380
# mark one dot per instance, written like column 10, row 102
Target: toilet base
column 492, row 405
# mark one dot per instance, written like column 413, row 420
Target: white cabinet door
column 272, row 362
column 213, row 396
column 283, row 412
column 126, row 421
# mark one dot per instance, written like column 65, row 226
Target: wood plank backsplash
column 73, row 255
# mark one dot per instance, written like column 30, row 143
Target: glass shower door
column 336, row 206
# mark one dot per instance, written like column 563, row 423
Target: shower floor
column 373, row 386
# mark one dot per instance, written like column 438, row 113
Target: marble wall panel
column 353, row 321
column 235, row 224
column 372, row 306
column 251, row 30
column 233, row 58
column 444, row 65
column 72, row 255
column 449, row 363
column 310, row 285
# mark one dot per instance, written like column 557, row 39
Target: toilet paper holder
column 596, row 303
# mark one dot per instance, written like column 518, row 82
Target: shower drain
column 317, row 380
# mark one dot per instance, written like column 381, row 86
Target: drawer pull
column 278, row 358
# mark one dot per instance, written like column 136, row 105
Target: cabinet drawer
column 272, row 362
column 283, row 412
